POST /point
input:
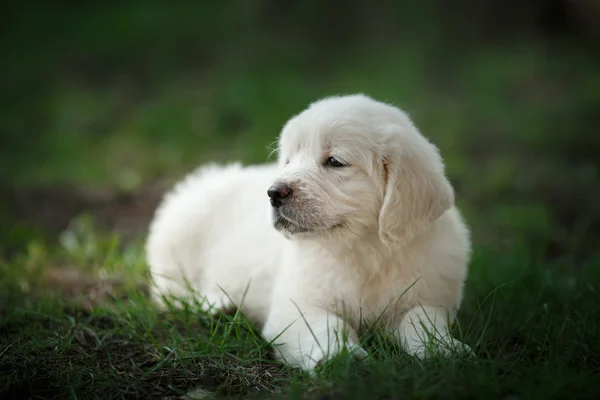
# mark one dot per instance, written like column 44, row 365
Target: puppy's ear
column 416, row 192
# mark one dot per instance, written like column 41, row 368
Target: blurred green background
column 106, row 103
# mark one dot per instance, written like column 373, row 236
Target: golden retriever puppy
column 355, row 226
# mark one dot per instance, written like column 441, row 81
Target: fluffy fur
column 373, row 241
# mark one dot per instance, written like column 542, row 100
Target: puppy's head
column 351, row 165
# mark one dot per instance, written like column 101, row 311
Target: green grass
column 533, row 325
column 102, row 103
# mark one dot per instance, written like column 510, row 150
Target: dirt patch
column 34, row 388
column 51, row 208
column 89, row 289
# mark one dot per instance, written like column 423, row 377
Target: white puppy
column 360, row 230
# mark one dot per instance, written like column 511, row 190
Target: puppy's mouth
column 286, row 223
column 282, row 222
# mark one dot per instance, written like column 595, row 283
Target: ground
column 100, row 123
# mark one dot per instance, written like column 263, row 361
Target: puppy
column 354, row 227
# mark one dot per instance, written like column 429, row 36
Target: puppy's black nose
column 278, row 192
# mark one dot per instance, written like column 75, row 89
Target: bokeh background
column 105, row 104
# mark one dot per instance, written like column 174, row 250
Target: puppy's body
column 373, row 238
column 220, row 256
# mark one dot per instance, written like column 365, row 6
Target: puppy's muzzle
column 279, row 193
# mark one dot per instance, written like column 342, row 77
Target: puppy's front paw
column 213, row 304
column 359, row 353
column 446, row 347
column 456, row 347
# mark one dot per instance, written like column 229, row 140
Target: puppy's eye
column 334, row 162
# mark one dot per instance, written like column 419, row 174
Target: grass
column 533, row 325
column 95, row 122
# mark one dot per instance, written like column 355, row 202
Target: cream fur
column 376, row 242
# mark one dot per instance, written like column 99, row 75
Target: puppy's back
column 212, row 230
